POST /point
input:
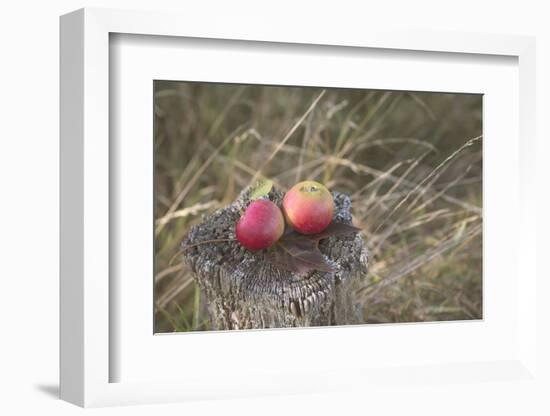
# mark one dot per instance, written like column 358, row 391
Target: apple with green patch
column 261, row 225
column 308, row 207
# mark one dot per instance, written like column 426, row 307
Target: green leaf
column 300, row 253
column 260, row 189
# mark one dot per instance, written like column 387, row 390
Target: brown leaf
column 334, row 229
column 300, row 253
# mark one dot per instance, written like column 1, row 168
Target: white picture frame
column 87, row 304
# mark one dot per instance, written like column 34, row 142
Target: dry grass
column 411, row 161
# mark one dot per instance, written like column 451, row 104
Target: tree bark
column 244, row 291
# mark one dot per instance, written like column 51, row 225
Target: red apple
column 308, row 207
column 261, row 224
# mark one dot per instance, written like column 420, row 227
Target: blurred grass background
column 411, row 161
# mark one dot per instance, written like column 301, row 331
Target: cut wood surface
column 244, row 290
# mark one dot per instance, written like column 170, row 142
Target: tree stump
column 244, row 291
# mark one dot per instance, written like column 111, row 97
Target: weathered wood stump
column 244, row 291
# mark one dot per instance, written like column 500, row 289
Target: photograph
column 297, row 206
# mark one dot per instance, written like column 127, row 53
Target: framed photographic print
column 268, row 212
